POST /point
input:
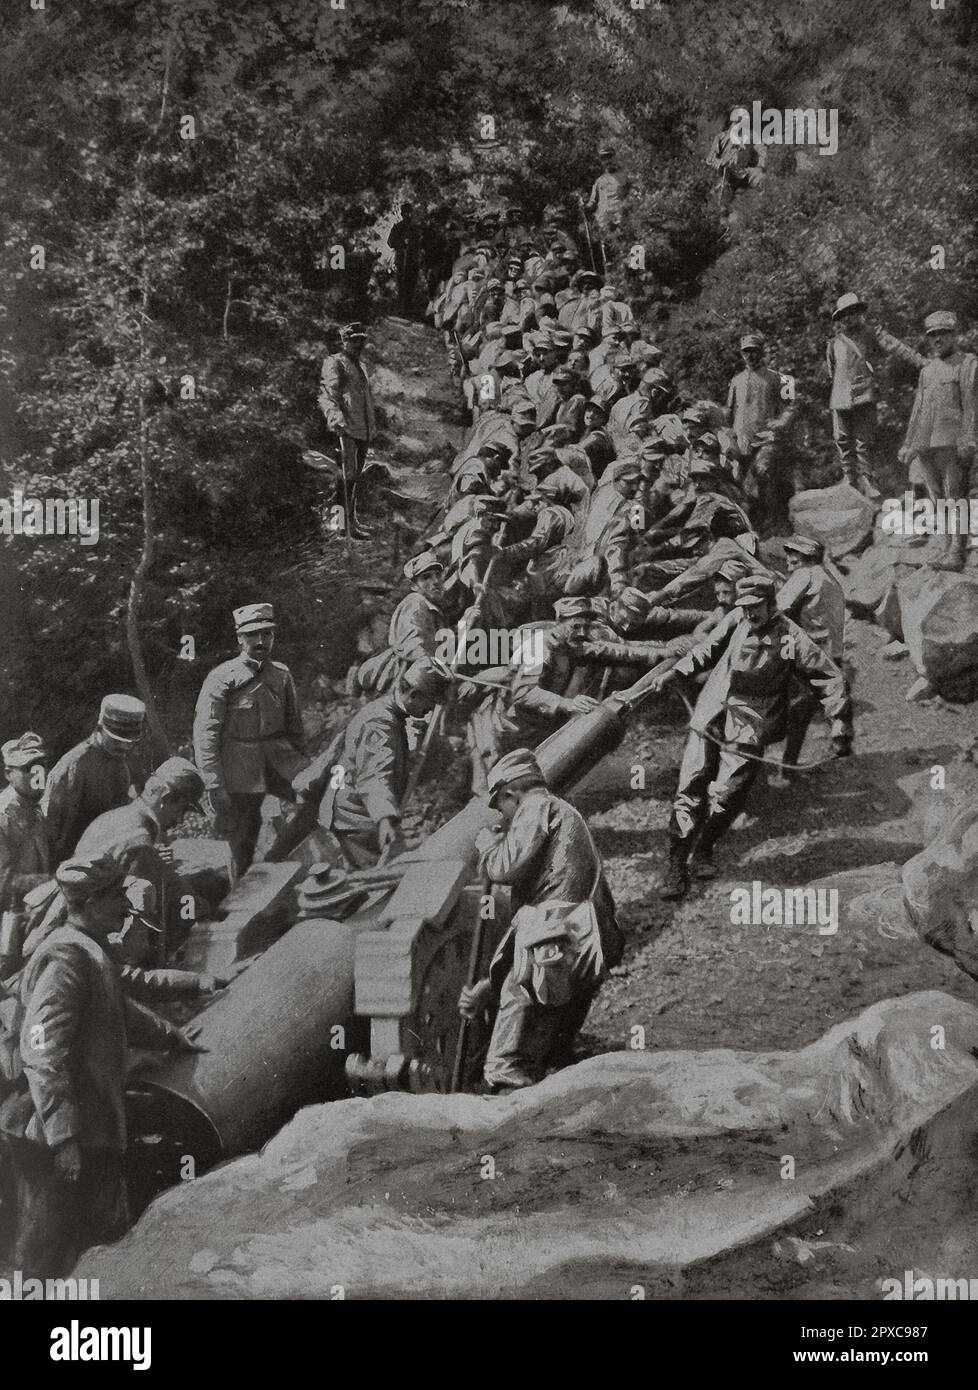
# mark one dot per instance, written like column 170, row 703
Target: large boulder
column 939, row 792
column 629, row 1168
column 939, row 622
column 940, row 888
column 838, row 516
column 871, row 577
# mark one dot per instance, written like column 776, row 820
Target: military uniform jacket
column 81, row 785
column 414, row 627
column 24, row 857
column 548, row 854
column 73, row 1001
column 945, row 405
column 345, row 397
column 847, row 358
column 754, row 398
column 370, row 761
column 815, row 600
column 748, row 683
column 248, row 724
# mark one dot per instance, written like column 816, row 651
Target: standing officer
column 248, row 735
column 563, row 938
column 347, row 402
column 942, row 428
column 854, row 392
column 94, row 776
column 751, row 655
column 25, row 860
column 404, row 239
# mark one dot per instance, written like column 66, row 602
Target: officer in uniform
column 356, row 787
column 942, row 432
column 854, row 393
column 94, row 776
column 347, row 403
column 563, row 938
column 248, row 736
column 25, row 859
column 752, row 656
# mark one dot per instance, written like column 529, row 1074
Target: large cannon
column 332, row 1007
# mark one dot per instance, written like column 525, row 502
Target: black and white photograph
column 489, row 642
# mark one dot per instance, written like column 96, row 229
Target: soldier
column 756, row 413
column 854, row 392
column 812, row 596
column 941, row 432
column 740, row 164
column 93, row 776
column 356, row 787
column 64, row 1127
column 134, row 836
column 25, row 859
column 404, row 239
column 414, row 626
column 563, row 938
column 346, row 400
column 596, row 441
column 608, row 193
column 248, row 736
column 751, row 655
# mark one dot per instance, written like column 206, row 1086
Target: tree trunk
column 137, row 584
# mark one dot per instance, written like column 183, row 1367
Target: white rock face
column 626, row 1168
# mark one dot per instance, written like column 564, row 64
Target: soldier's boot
column 702, row 865
column 867, row 487
column 953, row 554
column 676, row 879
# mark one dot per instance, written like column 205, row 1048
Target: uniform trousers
column 54, row 1219
column 529, row 1038
column 713, row 782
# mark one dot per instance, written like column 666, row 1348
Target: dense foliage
column 165, row 358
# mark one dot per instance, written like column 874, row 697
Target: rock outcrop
column 629, row 1168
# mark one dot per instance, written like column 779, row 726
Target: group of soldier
column 589, row 498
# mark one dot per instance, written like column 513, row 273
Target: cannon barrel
column 279, row 1036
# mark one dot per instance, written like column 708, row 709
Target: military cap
column 642, row 352
column 654, row 449
column 565, row 374
column 23, row 751
column 577, row 606
column 625, row 470
column 541, row 339
column 546, row 453
column 180, row 776
column 494, row 284
column 426, row 678
column 633, row 600
column 752, row 340
column 496, row 449
column 708, row 446
column 522, row 284
column 122, row 717
column 81, row 879
column 562, row 338
column 606, row 152
column 733, row 569
column 509, row 358
column 754, row 588
column 624, row 361
column 847, row 302
column 513, row 767
column 523, row 410
column 425, row 563
column 550, row 488
column 942, row 321
column 477, row 273
column 655, row 376
column 701, row 468
column 696, row 414
column 353, row 330
column 557, row 433
column 488, row 504
column 807, row 546
column 559, row 246
column 543, row 284
column 252, row 616
column 593, row 404
column 582, row 277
